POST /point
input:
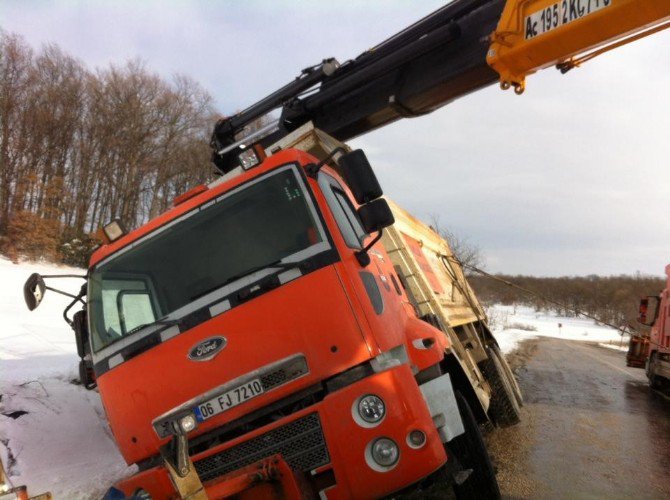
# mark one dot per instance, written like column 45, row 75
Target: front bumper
column 325, row 440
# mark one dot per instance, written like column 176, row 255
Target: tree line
column 613, row 299
column 80, row 147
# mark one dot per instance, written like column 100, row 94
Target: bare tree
column 78, row 148
column 465, row 251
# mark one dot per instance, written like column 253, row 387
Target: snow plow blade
column 268, row 479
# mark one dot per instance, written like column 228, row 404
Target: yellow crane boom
column 534, row 34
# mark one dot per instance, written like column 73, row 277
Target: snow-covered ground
column 62, row 443
column 514, row 324
column 53, row 433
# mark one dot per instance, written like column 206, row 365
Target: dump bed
column 439, row 285
column 436, row 286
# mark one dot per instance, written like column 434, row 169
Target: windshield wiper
column 277, row 265
column 169, row 322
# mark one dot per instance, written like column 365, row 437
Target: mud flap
column 441, row 401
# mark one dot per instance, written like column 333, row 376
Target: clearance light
column 113, row 230
column 188, row 423
column 371, row 408
column 385, row 452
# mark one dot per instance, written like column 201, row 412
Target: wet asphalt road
column 592, row 428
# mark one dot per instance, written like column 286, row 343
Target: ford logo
column 207, row 349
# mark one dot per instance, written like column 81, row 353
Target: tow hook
column 182, row 472
column 177, row 454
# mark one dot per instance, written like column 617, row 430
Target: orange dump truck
column 259, row 337
column 275, row 334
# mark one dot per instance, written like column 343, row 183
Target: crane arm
column 534, row 34
column 460, row 48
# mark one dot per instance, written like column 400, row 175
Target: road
column 592, row 428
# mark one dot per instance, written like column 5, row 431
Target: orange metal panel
column 535, row 34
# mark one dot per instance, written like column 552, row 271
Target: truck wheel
column 510, row 374
column 471, row 452
column 647, row 365
column 504, row 408
column 654, row 381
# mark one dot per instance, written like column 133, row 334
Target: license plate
column 228, row 399
column 560, row 13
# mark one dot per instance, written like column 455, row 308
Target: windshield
column 183, row 265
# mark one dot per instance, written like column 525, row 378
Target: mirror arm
column 62, row 292
column 76, row 299
column 64, row 276
column 313, row 168
column 362, row 255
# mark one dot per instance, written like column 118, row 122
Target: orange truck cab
column 259, row 324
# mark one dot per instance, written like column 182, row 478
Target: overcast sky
column 571, row 178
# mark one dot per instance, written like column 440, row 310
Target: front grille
column 273, row 379
column 270, row 377
column 289, row 370
column 301, row 443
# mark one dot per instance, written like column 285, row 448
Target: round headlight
column 141, row 494
column 188, row 423
column 385, row 452
column 371, row 408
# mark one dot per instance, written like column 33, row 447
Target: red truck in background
column 653, row 352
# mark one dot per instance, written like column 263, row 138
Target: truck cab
column 261, row 317
column 653, row 351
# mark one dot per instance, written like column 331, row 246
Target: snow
column 514, row 324
column 63, row 443
column 617, row 346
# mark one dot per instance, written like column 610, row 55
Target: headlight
column 188, row 423
column 141, row 494
column 249, row 158
column 385, row 452
column 371, row 408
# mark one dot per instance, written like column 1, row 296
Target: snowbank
column 514, row 324
column 53, row 433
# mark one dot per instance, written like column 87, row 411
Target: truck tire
column 510, row 374
column 470, row 450
column 654, row 380
column 503, row 408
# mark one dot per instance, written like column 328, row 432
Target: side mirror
column 80, row 327
column 376, row 215
column 86, row 375
column 359, row 176
column 33, row 291
column 648, row 310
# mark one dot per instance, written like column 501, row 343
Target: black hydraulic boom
column 425, row 66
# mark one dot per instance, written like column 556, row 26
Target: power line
column 578, row 312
